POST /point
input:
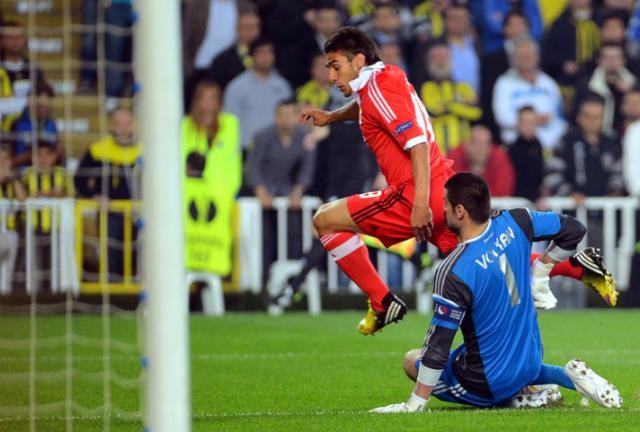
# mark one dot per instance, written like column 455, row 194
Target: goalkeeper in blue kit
column 483, row 288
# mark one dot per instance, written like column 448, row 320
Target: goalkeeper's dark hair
column 351, row 41
column 472, row 192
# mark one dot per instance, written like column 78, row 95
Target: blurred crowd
column 33, row 155
column 540, row 97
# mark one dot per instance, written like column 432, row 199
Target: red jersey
column 392, row 120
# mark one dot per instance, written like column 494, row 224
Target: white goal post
column 159, row 72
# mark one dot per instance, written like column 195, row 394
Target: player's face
column 342, row 70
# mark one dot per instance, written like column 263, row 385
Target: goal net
column 71, row 347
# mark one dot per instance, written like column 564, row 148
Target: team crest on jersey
column 449, row 313
column 403, row 127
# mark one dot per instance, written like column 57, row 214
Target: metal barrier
column 95, row 209
column 618, row 243
column 67, row 227
column 64, row 234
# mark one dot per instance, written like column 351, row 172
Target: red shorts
column 386, row 214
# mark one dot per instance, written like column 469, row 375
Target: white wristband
column 557, row 253
column 428, row 376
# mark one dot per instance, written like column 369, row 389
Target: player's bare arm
column 350, row 111
column 421, row 217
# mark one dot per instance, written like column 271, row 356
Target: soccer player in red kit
column 396, row 127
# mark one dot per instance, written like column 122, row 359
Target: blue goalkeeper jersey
column 483, row 287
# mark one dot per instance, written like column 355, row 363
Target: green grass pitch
column 298, row 372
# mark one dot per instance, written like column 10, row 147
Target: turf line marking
column 319, row 413
column 289, row 355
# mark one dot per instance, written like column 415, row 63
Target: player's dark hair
column 472, row 192
column 351, row 41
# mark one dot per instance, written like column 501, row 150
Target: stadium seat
column 211, row 295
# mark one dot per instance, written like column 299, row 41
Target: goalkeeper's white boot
column 537, row 396
column 591, row 385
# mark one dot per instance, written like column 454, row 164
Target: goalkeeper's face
column 452, row 215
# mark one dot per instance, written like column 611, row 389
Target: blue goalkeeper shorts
column 449, row 389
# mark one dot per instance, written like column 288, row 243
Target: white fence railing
column 618, row 233
column 62, row 272
column 617, row 229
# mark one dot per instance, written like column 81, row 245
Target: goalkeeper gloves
column 543, row 298
column 415, row 404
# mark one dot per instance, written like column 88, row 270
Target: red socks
column 563, row 268
column 352, row 256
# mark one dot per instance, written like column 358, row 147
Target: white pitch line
column 318, row 413
column 292, row 354
column 229, row 356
